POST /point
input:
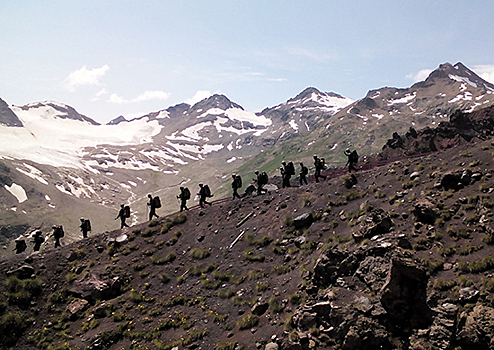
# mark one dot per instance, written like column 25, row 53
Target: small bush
column 199, row 254
column 248, row 321
column 249, row 255
column 12, row 327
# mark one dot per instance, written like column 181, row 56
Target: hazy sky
column 108, row 58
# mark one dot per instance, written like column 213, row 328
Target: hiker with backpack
column 352, row 159
column 184, row 196
column 204, row 193
column 57, row 234
column 286, row 173
column 319, row 166
column 153, row 204
column 38, row 240
column 303, row 174
column 20, row 245
column 85, row 227
column 236, row 184
column 261, row 179
column 123, row 214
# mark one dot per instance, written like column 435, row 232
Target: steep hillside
column 395, row 257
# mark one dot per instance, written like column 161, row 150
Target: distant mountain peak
column 117, row 120
column 458, row 72
column 63, row 111
column 216, row 101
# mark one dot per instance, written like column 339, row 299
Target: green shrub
column 259, row 242
column 476, row 266
column 248, row 321
column 21, row 292
column 12, row 327
column 199, row 254
column 249, row 255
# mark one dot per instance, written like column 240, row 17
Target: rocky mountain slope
column 58, row 165
column 394, row 257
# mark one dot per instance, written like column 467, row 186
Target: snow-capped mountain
column 55, row 161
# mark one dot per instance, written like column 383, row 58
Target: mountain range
column 57, row 165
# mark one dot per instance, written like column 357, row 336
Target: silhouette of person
column 303, row 174
column 152, row 208
column 122, row 215
column 235, row 186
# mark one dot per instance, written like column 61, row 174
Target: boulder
column 474, row 325
column 94, row 287
column 271, row 346
column 378, row 222
column 303, row 221
column 23, row 272
column 450, row 181
column 404, row 295
column 75, row 306
column 424, row 211
column 259, row 308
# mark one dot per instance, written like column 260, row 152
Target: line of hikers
column 287, row 171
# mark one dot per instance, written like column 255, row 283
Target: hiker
column 153, row 204
column 85, row 227
column 20, row 245
column 184, row 196
column 286, row 174
column 204, row 193
column 57, row 234
column 236, row 184
column 352, row 159
column 262, row 179
column 38, row 241
column 123, row 214
column 303, row 174
column 319, row 165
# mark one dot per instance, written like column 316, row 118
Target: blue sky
column 111, row 58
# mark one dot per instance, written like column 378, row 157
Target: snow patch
column 407, row 98
column 33, row 173
column 17, row 191
column 232, row 159
column 293, row 124
column 462, row 80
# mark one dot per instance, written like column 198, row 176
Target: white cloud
column 485, row 71
column 420, row 75
column 199, row 96
column 85, row 76
column 145, row 96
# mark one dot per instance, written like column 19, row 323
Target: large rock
column 404, row 295
column 424, row 211
column 303, row 221
column 75, row 306
column 259, row 308
column 451, row 181
column 94, row 287
column 378, row 222
column 23, row 272
column 476, row 328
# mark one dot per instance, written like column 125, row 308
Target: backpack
column 322, row 163
column 87, row 223
column 263, row 178
column 126, row 213
column 305, row 171
column 354, row 156
column 157, row 202
column 20, row 245
column 186, row 194
column 59, row 231
column 207, row 191
column 238, row 179
column 290, row 169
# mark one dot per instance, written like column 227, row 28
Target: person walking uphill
column 123, row 214
column 184, row 196
column 261, row 179
column 153, row 204
column 319, row 165
column 204, row 193
column 236, row 184
column 57, row 234
column 38, row 240
column 303, row 174
column 352, row 159
column 85, row 227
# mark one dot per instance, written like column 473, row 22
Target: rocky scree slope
column 398, row 257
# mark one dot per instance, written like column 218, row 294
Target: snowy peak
column 56, row 110
column 120, row 119
column 458, row 73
